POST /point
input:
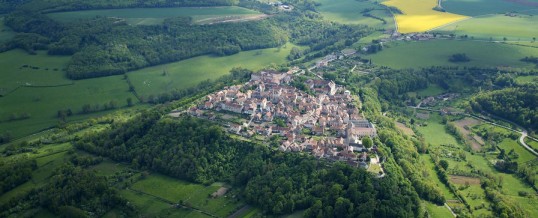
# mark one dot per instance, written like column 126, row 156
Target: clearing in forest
column 419, row 16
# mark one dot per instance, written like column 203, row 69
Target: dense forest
column 109, row 46
column 103, row 46
column 200, row 151
column 518, row 104
column 75, row 5
column 72, row 191
column 15, row 173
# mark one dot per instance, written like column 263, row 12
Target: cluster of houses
column 327, row 124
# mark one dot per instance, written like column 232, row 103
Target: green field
column 46, row 163
column 532, row 143
column 518, row 28
column 524, row 155
column 436, row 211
column 430, row 169
column 476, row 196
column 13, row 74
column 435, row 132
column 437, row 53
column 432, row 90
column 482, row 7
column 190, row 72
column 43, row 103
column 527, row 79
column 152, row 207
column 152, row 16
column 175, row 190
column 350, row 12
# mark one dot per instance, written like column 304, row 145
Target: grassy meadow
column 196, row 195
column 152, row 16
column 419, row 16
column 435, row 133
column 190, row 72
column 350, row 12
column 519, row 28
column 482, row 7
column 43, row 103
column 42, row 70
column 436, row 210
column 527, row 79
column 437, row 53
column 524, row 154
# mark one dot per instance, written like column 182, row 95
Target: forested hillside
column 110, row 46
column 516, row 104
column 278, row 182
column 73, row 5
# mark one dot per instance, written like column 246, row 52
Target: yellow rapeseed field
column 419, row 16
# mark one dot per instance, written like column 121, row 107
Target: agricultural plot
column 406, row 130
column 524, row 154
column 464, row 127
column 476, row 197
column 519, row 27
column 527, row 79
column 153, row 16
column 436, row 210
column 434, row 132
column 352, row 12
column 432, row 90
column 48, row 159
column 437, row 52
column 482, row 7
column 40, row 105
column 152, row 207
column 21, row 69
column 419, row 16
column 193, row 194
column 187, row 73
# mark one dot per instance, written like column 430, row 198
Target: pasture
column 152, row 207
column 196, row 195
column 527, row 79
column 351, row 12
column 419, row 16
column 190, row 72
column 496, row 27
column 41, row 104
column 21, row 69
column 153, row 16
column 436, row 210
column 482, row 7
column 437, row 52
column 432, row 90
column 435, row 133
column 524, row 155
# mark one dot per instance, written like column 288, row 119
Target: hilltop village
column 323, row 119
